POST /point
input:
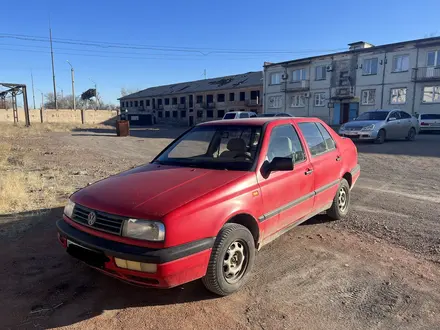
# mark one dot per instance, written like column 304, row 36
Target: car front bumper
column 358, row 135
column 173, row 266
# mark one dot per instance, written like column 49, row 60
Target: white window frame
column 395, row 63
column 319, row 99
column 323, row 70
column 298, row 101
column 393, row 94
column 277, row 81
column 275, row 101
column 369, row 72
column 435, row 94
column 302, row 74
column 436, row 58
column 368, row 93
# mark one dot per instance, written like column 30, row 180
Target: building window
column 398, row 96
column 220, row 113
column 174, row 114
column 433, row 58
column 319, row 99
column 167, row 101
column 167, row 114
column 159, row 101
column 231, row 96
column 242, row 96
column 174, row 100
column 147, row 102
column 275, row 78
column 122, row 104
column 210, row 98
column 297, row 101
column 220, row 97
column 209, row 114
column 431, row 94
column 182, row 114
column 159, row 114
column 369, row 66
column 321, row 72
column 275, row 101
column 141, row 103
column 368, row 96
column 400, row 63
column 183, row 100
column 135, row 103
column 199, row 99
column 298, row 75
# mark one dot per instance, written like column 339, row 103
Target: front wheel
column 341, row 202
column 232, row 259
column 411, row 134
column 381, row 135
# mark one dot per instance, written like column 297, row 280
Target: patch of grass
column 5, row 150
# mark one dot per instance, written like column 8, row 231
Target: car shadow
column 43, row 285
column 317, row 220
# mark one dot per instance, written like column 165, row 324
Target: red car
column 209, row 201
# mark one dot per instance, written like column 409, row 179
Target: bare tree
column 67, row 101
column 125, row 91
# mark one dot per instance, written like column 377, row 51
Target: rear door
column 326, row 162
column 406, row 123
column 287, row 195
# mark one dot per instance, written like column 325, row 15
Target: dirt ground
column 377, row 269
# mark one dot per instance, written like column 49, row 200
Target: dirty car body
column 209, row 201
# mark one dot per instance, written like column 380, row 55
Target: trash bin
column 122, row 128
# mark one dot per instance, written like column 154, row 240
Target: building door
column 336, row 113
column 353, row 111
column 191, row 121
column 345, row 113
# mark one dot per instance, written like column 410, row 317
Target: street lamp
column 72, row 73
column 96, row 92
column 42, row 98
column 62, row 92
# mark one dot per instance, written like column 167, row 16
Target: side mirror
column 392, row 118
column 281, row 164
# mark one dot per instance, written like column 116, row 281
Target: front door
column 191, row 121
column 345, row 113
column 353, row 111
column 287, row 195
column 393, row 127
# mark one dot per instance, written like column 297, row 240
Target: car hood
column 361, row 123
column 152, row 190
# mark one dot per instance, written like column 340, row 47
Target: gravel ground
column 378, row 269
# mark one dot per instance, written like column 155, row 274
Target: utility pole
column 53, row 71
column 33, row 92
column 72, row 73
column 42, row 99
column 62, row 92
column 96, row 93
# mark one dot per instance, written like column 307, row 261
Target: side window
column 244, row 115
column 395, row 114
column 329, row 142
column 284, row 142
column 314, row 138
column 404, row 115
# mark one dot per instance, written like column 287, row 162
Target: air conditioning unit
column 285, row 76
column 307, row 94
column 329, row 68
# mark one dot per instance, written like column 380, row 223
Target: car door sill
column 285, row 229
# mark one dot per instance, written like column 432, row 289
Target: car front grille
column 354, row 128
column 109, row 223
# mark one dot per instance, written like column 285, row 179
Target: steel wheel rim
column 235, row 261
column 342, row 199
column 381, row 136
column 411, row 133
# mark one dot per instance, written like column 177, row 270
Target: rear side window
column 430, row 116
column 314, row 138
column 329, row 142
column 244, row 115
column 229, row 116
column 405, row 115
column 284, row 142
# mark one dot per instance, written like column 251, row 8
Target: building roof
column 424, row 41
column 248, row 79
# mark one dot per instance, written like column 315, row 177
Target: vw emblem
column 91, row 218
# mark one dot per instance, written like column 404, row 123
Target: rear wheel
column 381, row 135
column 341, row 202
column 411, row 134
column 232, row 259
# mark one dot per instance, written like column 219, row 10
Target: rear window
column 429, row 116
column 229, row 116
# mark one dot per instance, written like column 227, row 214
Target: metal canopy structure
column 14, row 90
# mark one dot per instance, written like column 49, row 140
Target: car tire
column 381, row 136
column 232, row 260
column 411, row 134
column 341, row 202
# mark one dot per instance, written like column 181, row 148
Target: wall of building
column 61, row 116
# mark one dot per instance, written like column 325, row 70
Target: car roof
column 257, row 121
column 237, row 112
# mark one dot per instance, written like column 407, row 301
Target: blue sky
column 239, row 28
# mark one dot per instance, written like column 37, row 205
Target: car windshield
column 429, row 116
column 229, row 116
column 373, row 115
column 223, row 147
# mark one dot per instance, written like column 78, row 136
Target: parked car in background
column 209, row 201
column 278, row 114
column 239, row 115
column 429, row 122
column 380, row 125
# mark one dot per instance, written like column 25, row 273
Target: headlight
column 368, row 128
column 144, row 229
column 68, row 209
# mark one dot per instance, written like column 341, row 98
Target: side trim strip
column 356, row 169
column 327, row 186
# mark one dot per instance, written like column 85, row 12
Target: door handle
column 308, row 172
column 338, row 158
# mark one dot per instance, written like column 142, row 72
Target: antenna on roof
column 204, row 73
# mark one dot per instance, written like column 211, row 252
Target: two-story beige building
column 337, row 87
column 193, row 102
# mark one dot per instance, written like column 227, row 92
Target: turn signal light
column 136, row 265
